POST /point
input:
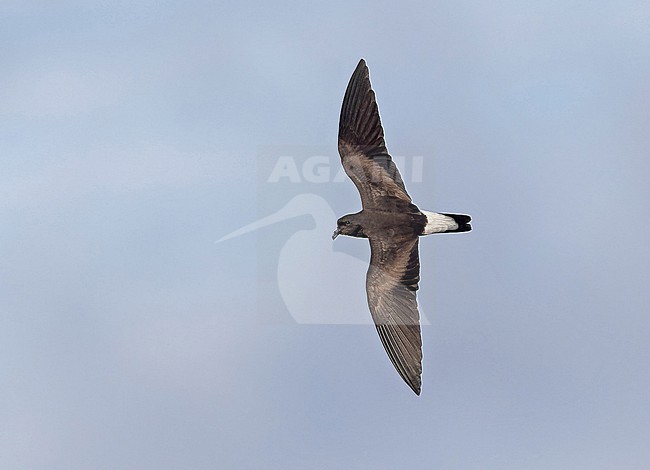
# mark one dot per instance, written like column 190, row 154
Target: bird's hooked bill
column 336, row 234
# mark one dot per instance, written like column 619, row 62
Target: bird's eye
column 347, row 222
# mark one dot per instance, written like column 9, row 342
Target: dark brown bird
column 392, row 224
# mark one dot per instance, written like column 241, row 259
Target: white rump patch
column 438, row 223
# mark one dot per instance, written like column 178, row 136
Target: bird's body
column 376, row 223
column 393, row 225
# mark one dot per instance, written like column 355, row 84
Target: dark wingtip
column 361, row 69
column 414, row 383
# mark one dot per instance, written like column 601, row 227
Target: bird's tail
column 445, row 223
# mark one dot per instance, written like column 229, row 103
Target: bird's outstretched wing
column 391, row 285
column 362, row 148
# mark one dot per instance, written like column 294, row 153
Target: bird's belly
column 392, row 225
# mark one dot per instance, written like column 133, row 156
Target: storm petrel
column 392, row 224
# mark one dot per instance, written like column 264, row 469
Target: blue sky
column 135, row 134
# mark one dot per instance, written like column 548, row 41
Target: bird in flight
column 392, row 224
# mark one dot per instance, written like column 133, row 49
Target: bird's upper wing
column 362, row 148
column 391, row 284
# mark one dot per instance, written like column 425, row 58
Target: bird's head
column 349, row 225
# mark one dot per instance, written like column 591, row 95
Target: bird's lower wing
column 391, row 285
